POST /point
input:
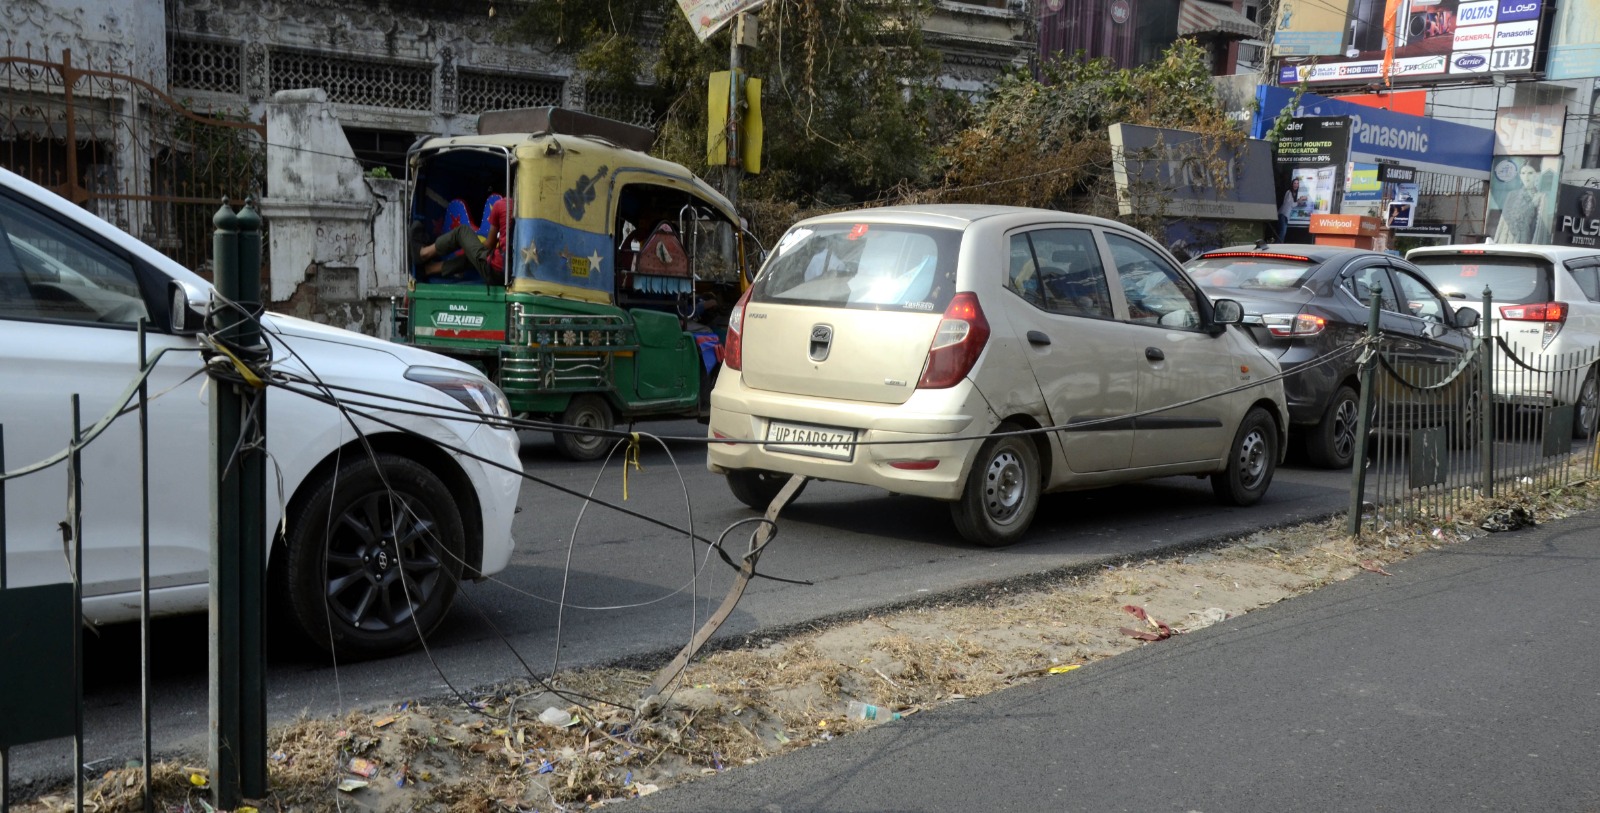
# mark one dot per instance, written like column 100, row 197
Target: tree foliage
column 1043, row 142
column 849, row 98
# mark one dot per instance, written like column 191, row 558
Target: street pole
column 238, row 500
column 733, row 171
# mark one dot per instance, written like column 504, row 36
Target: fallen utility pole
column 650, row 700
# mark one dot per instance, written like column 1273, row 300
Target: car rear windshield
column 1509, row 279
column 1281, row 273
column 862, row 265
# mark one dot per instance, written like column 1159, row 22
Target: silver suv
column 983, row 355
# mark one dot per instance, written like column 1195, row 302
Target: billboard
column 1310, row 159
column 1310, row 28
column 1577, row 220
column 1430, row 144
column 1574, row 42
column 1178, row 173
column 1522, row 198
column 1533, row 130
column 1434, row 41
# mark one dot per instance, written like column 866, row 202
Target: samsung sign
column 1378, row 135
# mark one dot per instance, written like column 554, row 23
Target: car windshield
column 1279, row 273
column 862, row 265
column 1509, row 279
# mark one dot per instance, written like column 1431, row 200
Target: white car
column 1546, row 306
column 916, row 348
column 377, row 525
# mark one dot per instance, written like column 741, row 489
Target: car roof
column 1562, row 253
column 958, row 215
column 1314, row 253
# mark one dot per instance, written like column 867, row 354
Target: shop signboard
column 1434, row 41
column 1365, row 187
column 1310, row 159
column 1531, row 130
column 1522, row 198
column 1180, row 173
column 1446, row 231
column 1310, row 28
column 1431, row 145
column 1574, row 42
column 1577, row 220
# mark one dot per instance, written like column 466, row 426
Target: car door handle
column 1038, row 337
column 1154, row 354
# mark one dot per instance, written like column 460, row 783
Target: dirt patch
column 528, row 747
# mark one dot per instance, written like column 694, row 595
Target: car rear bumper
column 935, row 428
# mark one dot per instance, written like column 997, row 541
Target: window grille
column 621, row 107
column 204, row 65
column 482, row 91
column 347, row 80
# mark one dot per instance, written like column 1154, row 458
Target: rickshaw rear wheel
column 586, row 411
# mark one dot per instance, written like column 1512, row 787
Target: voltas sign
column 1432, row 40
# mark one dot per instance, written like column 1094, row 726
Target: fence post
column 238, row 556
column 1358, row 476
column 1486, row 397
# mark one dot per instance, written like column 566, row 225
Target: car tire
column 1002, row 491
column 1586, row 410
column 1331, row 444
column 1252, row 458
column 587, row 411
column 362, row 581
column 757, row 487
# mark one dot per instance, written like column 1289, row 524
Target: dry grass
column 738, row 707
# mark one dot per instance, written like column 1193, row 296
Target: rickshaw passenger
column 485, row 257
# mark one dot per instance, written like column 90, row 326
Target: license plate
column 812, row 441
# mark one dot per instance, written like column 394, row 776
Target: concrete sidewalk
column 1466, row 681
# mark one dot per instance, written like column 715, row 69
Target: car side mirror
column 189, row 305
column 1467, row 318
column 1226, row 312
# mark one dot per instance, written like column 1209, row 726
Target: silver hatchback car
column 984, row 355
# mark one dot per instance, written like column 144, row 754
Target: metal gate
column 124, row 149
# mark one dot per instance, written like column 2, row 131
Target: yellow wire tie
column 630, row 458
column 249, row 376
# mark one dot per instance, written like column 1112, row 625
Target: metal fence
column 1496, row 421
column 124, row 149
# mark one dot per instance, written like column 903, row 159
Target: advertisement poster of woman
column 1522, row 199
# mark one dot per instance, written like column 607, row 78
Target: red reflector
column 720, row 436
column 1268, row 255
column 914, row 465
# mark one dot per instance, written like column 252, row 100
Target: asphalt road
column 1462, row 682
column 635, row 590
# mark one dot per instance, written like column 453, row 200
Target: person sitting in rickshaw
column 486, row 256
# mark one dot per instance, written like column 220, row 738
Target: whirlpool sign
column 1435, row 41
column 1380, row 135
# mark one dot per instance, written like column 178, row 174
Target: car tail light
column 1552, row 314
column 957, row 343
column 1536, row 312
column 1293, row 325
column 733, row 353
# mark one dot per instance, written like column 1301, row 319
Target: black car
column 1306, row 302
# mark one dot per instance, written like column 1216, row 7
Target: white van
column 378, row 523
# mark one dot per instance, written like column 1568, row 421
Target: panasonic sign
column 1378, row 135
column 1523, row 33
